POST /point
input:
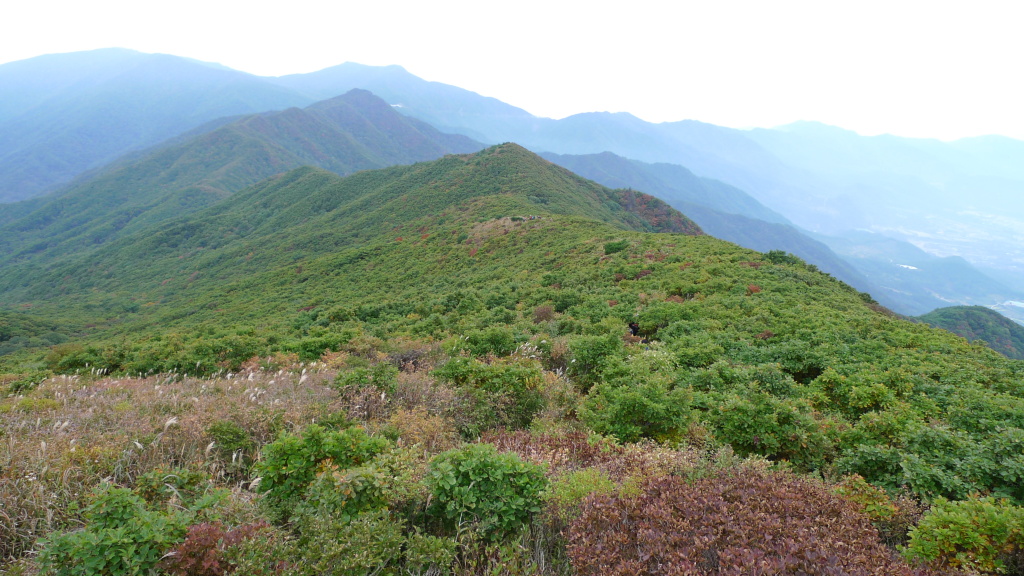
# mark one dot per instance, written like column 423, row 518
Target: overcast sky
column 912, row 68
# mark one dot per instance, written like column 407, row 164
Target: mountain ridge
column 345, row 134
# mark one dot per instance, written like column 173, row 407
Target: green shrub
column 977, row 534
column 630, row 412
column 121, row 536
column 592, row 355
column 232, row 444
column 290, row 463
column 382, row 376
column 369, row 543
column 159, row 486
column 27, row 382
column 893, row 517
column 777, row 428
column 613, row 247
column 503, row 394
column 782, row 257
column 428, row 555
column 496, row 493
column 496, row 340
column 343, row 494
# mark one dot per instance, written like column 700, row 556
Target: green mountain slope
column 824, row 179
column 979, row 323
column 356, row 131
column 66, row 113
column 309, row 212
column 950, row 198
column 721, row 210
column 502, row 249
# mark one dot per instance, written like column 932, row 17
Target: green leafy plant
column 630, row 412
column 290, row 463
column 381, row 376
column 476, row 486
column 503, row 393
column 977, row 534
column 121, row 536
column 618, row 246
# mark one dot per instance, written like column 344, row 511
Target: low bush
column 777, row 428
column 419, row 427
column 159, row 486
column 290, row 463
column 382, row 376
column 560, row 452
column 494, row 493
column 567, row 492
column 121, row 536
column 613, row 247
column 979, row 535
column 747, row 523
column 503, row 394
column 233, row 445
column 630, row 412
column 208, row 548
column 893, row 517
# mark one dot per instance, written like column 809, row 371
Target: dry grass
column 71, row 433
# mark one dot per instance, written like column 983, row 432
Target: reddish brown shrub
column 641, row 274
column 543, row 314
column 744, row 524
column 753, row 289
column 202, row 552
column 765, row 335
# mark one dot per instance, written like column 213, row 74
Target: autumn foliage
column 749, row 523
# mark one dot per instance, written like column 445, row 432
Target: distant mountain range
column 63, row 114
column 67, row 116
column 356, row 131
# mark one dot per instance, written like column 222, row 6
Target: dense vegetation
column 429, row 369
column 980, row 323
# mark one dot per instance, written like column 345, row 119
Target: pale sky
column 912, row 68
